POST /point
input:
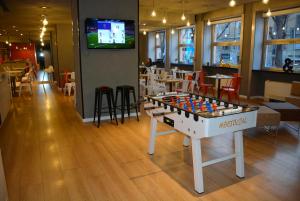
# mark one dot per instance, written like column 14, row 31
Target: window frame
column 180, row 45
column 266, row 41
column 158, row 46
column 226, row 43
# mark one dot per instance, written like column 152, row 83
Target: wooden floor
column 49, row 154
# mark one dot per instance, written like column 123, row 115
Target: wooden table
column 218, row 78
column 170, row 81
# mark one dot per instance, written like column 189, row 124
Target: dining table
column 183, row 73
column 170, row 81
column 218, row 78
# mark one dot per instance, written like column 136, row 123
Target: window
column 186, row 45
column 282, row 41
column 160, row 42
column 226, row 43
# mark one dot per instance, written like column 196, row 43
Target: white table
column 218, row 78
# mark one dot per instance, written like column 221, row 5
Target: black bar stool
column 125, row 91
column 99, row 92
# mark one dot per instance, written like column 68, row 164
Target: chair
column 49, row 71
column 69, row 85
column 26, row 81
column 195, row 81
column 204, row 87
column 185, row 84
column 153, row 86
column 233, row 90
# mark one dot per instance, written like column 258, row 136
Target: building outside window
column 226, row 43
column 186, row 47
column 160, row 46
column 282, row 41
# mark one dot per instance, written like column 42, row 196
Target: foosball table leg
column 186, row 141
column 239, row 152
column 152, row 135
column 197, row 165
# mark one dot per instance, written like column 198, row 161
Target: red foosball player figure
column 214, row 106
column 203, row 108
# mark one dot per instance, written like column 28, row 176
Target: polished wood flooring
column 50, row 155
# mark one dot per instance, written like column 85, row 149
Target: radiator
column 277, row 90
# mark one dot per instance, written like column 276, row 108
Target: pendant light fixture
column 265, row 1
column 153, row 13
column 208, row 22
column 172, row 31
column 232, row 3
column 188, row 23
column 164, row 20
column 183, row 16
column 145, row 33
column 269, row 13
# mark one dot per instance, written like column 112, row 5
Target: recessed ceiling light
column 17, row 30
column 13, row 26
column 21, row 34
column 144, row 24
column 44, row 7
column 0, row 34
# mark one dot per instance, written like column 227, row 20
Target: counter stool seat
column 99, row 92
column 125, row 91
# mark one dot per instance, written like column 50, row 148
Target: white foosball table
column 200, row 117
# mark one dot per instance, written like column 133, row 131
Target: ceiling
column 173, row 9
column 24, row 16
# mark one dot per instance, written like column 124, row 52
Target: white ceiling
column 173, row 10
column 25, row 15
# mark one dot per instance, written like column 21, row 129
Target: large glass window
column 282, row 41
column 186, row 46
column 226, row 43
column 160, row 42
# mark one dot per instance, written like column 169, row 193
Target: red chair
column 233, row 90
column 204, row 87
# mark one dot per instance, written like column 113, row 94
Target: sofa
column 294, row 97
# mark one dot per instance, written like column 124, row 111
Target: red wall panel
column 23, row 51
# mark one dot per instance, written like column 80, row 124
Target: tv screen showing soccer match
column 110, row 34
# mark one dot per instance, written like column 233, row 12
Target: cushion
column 267, row 117
column 295, row 100
column 295, row 91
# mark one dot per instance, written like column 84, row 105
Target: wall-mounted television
column 110, row 33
